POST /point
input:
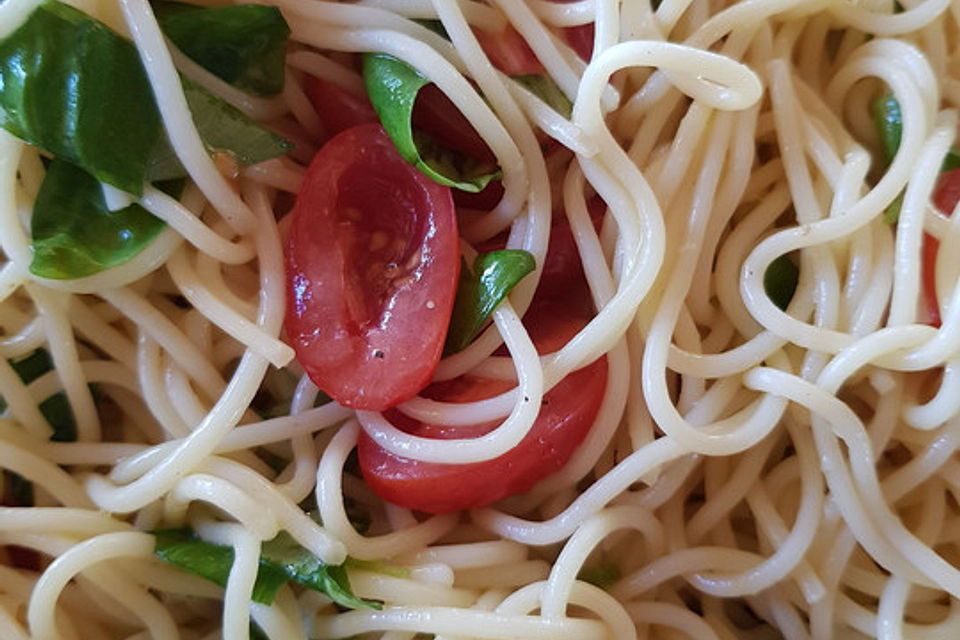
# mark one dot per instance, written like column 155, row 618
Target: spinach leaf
column 244, row 45
column 75, row 234
column 393, row 86
column 547, row 90
column 479, row 292
column 281, row 559
column 888, row 121
column 74, row 88
column 780, row 281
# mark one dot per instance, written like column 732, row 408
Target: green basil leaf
column 892, row 213
column 225, row 129
column 55, row 409
column 600, row 575
column 434, row 25
column 244, row 45
column 74, row 88
column 780, row 281
column 306, row 569
column 392, row 86
column 18, row 491
column 889, row 123
column 182, row 548
column 547, row 90
column 75, row 235
column 479, row 292
column 281, row 559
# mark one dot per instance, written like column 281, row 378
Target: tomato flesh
column 509, row 52
column 566, row 415
column 580, row 39
column 337, row 108
column 945, row 198
column 372, row 265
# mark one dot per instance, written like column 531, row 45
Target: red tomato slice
column 945, row 198
column 580, row 39
column 566, row 415
column 337, row 108
column 372, row 266
column 509, row 52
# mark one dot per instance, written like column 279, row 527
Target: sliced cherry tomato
column 945, row 198
column 566, row 414
column 580, row 39
column 337, row 108
column 509, row 52
column 372, row 266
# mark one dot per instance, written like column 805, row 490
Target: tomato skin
column 580, row 39
column 566, row 415
column 372, row 264
column 337, row 108
column 945, row 198
column 509, row 52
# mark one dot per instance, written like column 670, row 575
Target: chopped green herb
column 375, row 566
column 780, row 281
column 888, row 120
column 479, row 292
column 436, row 26
column 600, row 575
column 55, row 409
column 244, row 45
column 547, row 90
column 306, row 569
column 18, row 491
column 211, row 561
column 281, row 559
column 393, row 86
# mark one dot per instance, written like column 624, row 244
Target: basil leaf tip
column 481, row 289
column 392, row 86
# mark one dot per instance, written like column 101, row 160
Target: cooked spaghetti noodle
column 753, row 471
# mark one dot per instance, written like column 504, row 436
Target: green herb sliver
column 888, row 121
column 481, row 289
column 281, row 559
column 547, row 90
column 392, row 86
column 780, row 281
